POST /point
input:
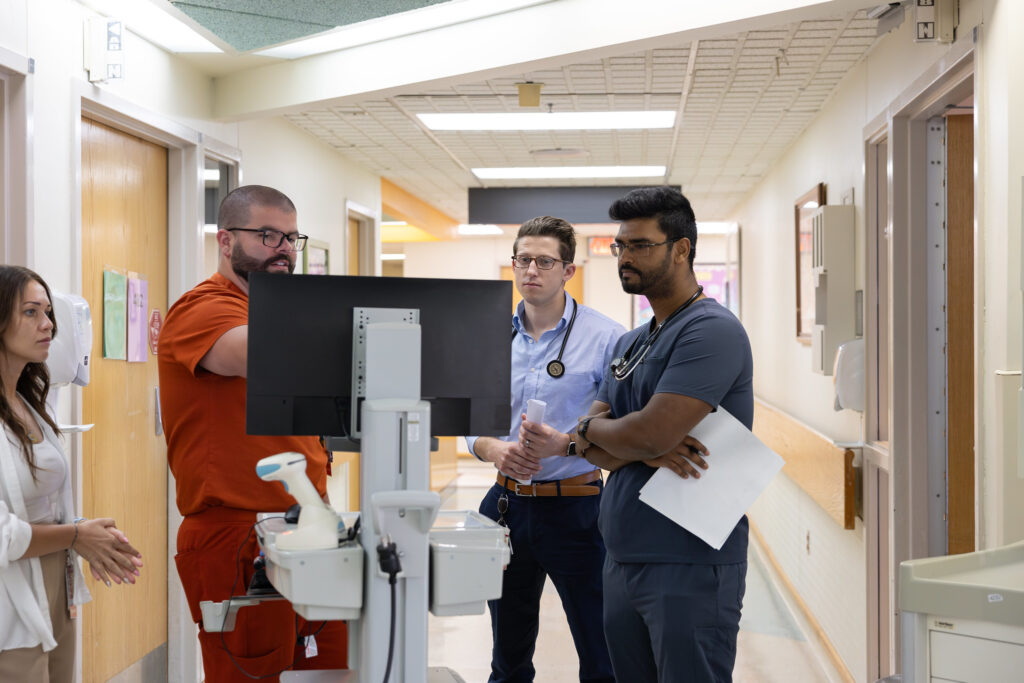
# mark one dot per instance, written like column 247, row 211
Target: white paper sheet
column 740, row 467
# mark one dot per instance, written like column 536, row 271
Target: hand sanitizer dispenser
column 69, row 353
column 68, row 361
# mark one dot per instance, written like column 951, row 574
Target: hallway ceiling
column 741, row 101
column 744, row 100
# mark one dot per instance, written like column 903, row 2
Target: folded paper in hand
column 740, row 467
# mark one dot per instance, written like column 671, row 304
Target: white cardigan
column 24, row 611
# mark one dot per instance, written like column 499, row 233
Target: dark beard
column 651, row 282
column 243, row 264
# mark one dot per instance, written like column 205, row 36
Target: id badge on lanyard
column 69, row 583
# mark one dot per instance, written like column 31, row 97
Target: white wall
column 482, row 258
column 167, row 89
column 830, row 577
column 999, row 103
column 51, row 34
column 273, row 151
column 314, row 176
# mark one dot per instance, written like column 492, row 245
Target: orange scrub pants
column 268, row 637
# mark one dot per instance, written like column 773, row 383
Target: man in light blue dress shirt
column 560, row 351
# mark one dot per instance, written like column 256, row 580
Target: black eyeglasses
column 273, row 238
column 543, row 262
column 640, row 249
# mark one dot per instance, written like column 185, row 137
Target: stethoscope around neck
column 623, row 366
column 556, row 368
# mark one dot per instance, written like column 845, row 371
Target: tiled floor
column 772, row 646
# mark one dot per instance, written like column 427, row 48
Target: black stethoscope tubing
column 556, row 368
column 631, row 363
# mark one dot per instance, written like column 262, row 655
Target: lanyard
column 556, row 368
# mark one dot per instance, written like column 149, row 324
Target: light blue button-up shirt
column 588, row 353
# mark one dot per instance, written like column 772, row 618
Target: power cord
column 387, row 558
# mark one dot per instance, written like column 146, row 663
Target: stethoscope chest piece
column 556, row 368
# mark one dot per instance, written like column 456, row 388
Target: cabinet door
column 968, row 659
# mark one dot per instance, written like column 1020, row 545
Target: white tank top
column 42, row 494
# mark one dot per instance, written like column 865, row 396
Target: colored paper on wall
column 115, row 299
column 138, row 327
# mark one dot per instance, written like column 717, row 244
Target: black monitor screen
column 300, row 351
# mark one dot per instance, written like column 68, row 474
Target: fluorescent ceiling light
column 393, row 224
column 570, row 120
column 563, row 172
column 392, row 257
column 480, row 229
column 395, row 26
column 158, row 26
column 210, row 228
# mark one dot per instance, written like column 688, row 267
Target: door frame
column 369, row 237
column 877, row 504
column 16, row 215
column 186, row 152
column 906, row 463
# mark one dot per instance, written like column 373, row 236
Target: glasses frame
column 533, row 260
column 642, row 249
column 296, row 240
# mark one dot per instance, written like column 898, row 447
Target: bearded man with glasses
column 202, row 362
column 559, row 352
column 672, row 602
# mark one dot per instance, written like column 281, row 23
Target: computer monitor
column 300, row 351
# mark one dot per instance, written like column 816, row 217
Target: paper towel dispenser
column 848, row 376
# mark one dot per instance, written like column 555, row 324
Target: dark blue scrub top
column 703, row 353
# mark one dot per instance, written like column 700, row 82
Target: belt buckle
column 532, row 494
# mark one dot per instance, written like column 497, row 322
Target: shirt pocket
column 569, row 397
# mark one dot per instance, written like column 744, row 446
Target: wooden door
column 960, row 332
column 573, row 286
column 124, row 459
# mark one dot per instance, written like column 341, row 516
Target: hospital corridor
column 774, row 647
column 465, row 341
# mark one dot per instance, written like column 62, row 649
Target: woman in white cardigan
column 40, row 538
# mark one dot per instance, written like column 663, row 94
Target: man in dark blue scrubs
column 672, row 603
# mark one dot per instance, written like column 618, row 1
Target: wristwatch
column 571, row 450
column 584, row 426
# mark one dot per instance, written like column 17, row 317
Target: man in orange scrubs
column 202, row 361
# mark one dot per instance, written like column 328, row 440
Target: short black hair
column 666, row 204
column 549, row 226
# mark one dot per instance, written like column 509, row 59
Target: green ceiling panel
column 253, row 24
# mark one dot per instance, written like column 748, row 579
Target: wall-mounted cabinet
column 834, row 297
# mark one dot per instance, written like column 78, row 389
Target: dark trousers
column 554, row 537
column 668, row 623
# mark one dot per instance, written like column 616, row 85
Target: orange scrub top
column 212, row 458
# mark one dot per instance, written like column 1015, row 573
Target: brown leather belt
column 573, row 486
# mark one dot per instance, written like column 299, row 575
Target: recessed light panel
column 567, row 172
column 573, row 120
